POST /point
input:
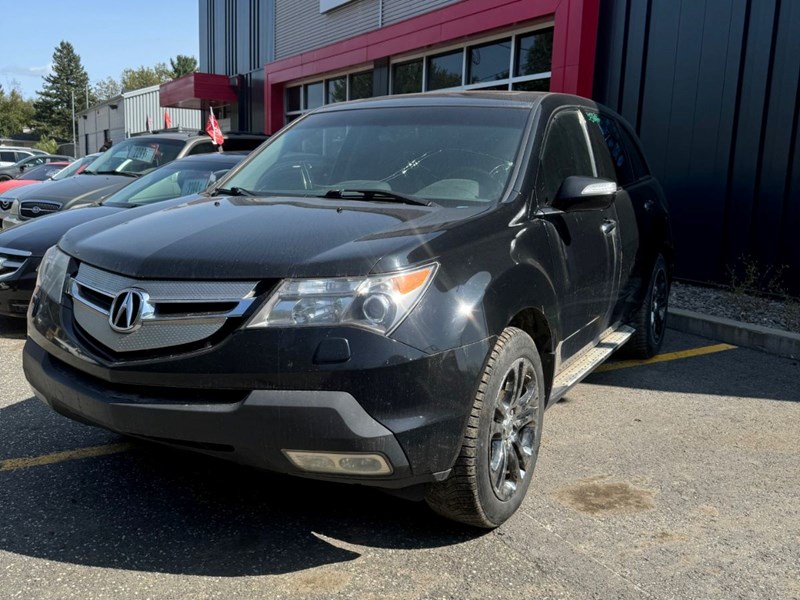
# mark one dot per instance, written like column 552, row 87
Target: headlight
column 14, row 208
column 379, row 302
column 51, row 273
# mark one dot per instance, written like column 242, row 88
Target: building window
column 306, row 97
column 361, row 85
column 312, row 94
column 489, row 62
column 293, row 99
column 407, row 77
column 336, row 90
column 444, row 70
column 520, row 61
column 517, row 61
column 534, row 53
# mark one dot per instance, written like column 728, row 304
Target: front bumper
column 11, row 221
column 261, row 392
column 16, row 288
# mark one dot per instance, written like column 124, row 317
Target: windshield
column 74, row 167
column 42, row 172
column 181, row 178
column 454, row 156
column 136, row 156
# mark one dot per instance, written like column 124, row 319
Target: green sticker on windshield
column 593, row 118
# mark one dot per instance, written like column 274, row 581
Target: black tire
column 504, row 430
column 5, row 178
column 650, row 320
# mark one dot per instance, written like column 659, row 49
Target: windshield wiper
column 234, row 191
column 375, row 195
column 124, row 174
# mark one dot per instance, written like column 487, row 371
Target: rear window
column 237, row 144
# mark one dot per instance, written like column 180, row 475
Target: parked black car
column 388, row 293
column 30, row 162
column 22, row 248
column 116, row 168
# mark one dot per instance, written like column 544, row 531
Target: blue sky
column 109, row 36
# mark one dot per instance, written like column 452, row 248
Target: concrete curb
column 773, row 341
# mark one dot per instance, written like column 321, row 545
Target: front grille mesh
column 181, row 312
column 31, row 209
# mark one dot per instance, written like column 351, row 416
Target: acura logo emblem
column 127, row 309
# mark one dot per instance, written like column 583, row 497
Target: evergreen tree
column 182, row 65
column 54, row 104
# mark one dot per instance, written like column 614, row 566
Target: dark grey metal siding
column 712, row 88
column 236, row 36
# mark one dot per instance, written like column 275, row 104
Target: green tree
column 53, row 106
column 16, row 113
column 47, row 144
column 106, row 89
column 182, row 65
column 135, row 79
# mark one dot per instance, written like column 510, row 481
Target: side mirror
column 584, row 193
column 22, row 168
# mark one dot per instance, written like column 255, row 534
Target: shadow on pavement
column 161, row 510
column 739, row 373
column 12, row 328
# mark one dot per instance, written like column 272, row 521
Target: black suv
column 115, row 168
column 389, row 292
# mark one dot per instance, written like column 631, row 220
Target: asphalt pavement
column 677, row 478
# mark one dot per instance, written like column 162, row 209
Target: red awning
column 198, row 90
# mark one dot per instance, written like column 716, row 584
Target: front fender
column 478, row 306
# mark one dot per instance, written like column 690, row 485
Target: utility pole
column 87, row 96
column 74, row 143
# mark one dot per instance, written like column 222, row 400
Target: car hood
column 38, row 235
column 253, row 238
column 15, row 183
column 78, row 189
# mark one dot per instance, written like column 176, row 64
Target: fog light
column 339, row 463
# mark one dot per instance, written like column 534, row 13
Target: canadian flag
column 213, row 130
column 167, row 120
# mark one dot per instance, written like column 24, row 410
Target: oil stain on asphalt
column 595, row 496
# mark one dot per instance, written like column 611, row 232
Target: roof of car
column 224, row 158
column 456, row 98
column 190, row 135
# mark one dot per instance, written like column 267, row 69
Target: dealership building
column 711, row 86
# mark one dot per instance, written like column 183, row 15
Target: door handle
column 608, row 226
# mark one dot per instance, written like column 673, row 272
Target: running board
column 588, row 361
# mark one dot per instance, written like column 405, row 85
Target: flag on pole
column 149, row 123
column 167, row 120
column 212, row 128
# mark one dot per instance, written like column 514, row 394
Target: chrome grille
column 178, row 312
column 31, row 209
column 11, row 261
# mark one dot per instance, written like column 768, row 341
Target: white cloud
column 15, row 71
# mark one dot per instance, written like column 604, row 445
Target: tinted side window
column 637, row 160
column 564, row 153
column 611, row 133
column 202, row 148
column 606, row 167
column 8, row 157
